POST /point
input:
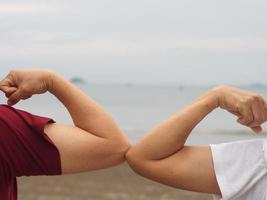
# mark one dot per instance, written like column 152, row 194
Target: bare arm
column 94, row 142
column 162, row 156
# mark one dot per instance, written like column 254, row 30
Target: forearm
column 170, row 136
column 85, row 112
column 162, row 155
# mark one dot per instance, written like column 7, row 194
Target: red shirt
column 25, row 150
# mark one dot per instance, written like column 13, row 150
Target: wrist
column 220, row 92
column 51, row 78
column 57, row 83
column 212, row 98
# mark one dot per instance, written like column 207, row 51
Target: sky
column 162, row 42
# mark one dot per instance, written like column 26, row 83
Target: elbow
column 118, row 151
column 130, row 156
column 137, row 163
column 122, row 151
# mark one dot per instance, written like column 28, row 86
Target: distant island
column 253, row 86
column 257, row 85
column 77, row 80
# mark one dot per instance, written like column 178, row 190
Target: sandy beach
column 117, row 183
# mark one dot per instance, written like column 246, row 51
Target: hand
column 249, row 107
column 22, row 84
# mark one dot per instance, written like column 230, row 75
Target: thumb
column 257, row 129
column 7, row 82
column 15, row 97
column 8, row 90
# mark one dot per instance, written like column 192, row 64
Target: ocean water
column 137, row 109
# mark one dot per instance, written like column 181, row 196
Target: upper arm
column 190, row 168
column 81, row 151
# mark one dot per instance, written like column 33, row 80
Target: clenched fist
column 249, row 107
column 22, row 84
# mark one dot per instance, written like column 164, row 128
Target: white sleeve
column 240, row 169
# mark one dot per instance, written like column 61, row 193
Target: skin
column 163, row 156
column 93, row 142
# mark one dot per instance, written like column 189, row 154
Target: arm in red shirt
column 93, row 142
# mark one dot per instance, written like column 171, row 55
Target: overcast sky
column 142, row 41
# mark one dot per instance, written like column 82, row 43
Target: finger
column 7, row 95
column 246, row 115
column 236, row 113
column 265, row 112
column 18, row 95
column 257, row 110
column 24, row 97
column 257, row 129
column 8, row 90
column 14, row 98
column 7, row 81
column 3, row 83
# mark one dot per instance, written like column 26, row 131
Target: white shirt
column 241, row 169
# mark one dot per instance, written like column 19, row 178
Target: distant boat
column 257, row 85
column 129, row 84
column 181, row 87
column 77, row 80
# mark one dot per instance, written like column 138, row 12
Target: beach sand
column 117, row 183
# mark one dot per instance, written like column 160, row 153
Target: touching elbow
column 119, row 150
column 136, row 162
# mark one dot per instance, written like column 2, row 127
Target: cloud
column 21, row 8
column 123, row 35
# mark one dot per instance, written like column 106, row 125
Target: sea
column 139, row 108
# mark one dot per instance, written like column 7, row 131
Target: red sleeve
column 24, row 146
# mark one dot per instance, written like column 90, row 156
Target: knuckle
column 257, row 120
column 255, row 98
column 252, row 124
column 249, row 120
column 242, row 122
column 13, row 71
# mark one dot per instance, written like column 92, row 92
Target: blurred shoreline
column 117, row 183
column 137, row 109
